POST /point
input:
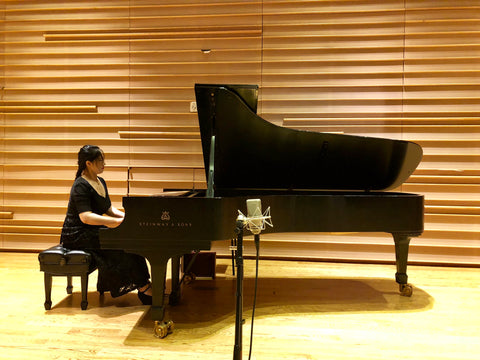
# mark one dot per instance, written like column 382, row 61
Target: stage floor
column 305, row 310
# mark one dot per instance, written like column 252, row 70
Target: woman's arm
column 91, row 218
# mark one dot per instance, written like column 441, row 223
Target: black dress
column 118, row 272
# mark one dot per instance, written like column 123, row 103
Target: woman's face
column 97, row 166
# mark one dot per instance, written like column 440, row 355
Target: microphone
column 254, row 215
column 255, row 221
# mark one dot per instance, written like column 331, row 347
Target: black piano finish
column 165, row 227
column 254, row 154
column 177, row 223
column 160, row 228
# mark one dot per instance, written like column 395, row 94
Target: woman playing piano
column 89, row 209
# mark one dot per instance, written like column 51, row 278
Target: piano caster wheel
column 406, row 290
column 189, row 278
column 162, row 328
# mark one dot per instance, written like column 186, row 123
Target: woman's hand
column 114, row 212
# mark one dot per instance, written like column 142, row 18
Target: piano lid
column 251, row 153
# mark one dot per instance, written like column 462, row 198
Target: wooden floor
column 304, row 311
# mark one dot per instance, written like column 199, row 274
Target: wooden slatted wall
column 2, row 120
column 120, row 74
column 398, row 69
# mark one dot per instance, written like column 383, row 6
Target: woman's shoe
column 144, row 298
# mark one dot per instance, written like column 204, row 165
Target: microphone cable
column 257, row 247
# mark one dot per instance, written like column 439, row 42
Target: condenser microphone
column 254, row 215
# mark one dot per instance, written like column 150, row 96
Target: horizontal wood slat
column 159, row 135
column 46, row 109
column 6, row 215
column 174, row 33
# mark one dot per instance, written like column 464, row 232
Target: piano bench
column 58, row 261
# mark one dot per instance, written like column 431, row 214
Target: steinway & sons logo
column 165, row 221
column 165, row 216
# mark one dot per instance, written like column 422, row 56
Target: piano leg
column 176, row 294
column 159, row 271
column 402, row 243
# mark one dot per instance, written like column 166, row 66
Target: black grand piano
column 312, row 182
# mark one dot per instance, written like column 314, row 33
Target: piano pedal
column 163, row 328
column 406, row 290
column 189, row 278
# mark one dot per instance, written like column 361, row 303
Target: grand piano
column 312, row 182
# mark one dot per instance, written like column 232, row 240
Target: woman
column 89, row 209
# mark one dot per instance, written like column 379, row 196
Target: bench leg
column 84, row 280
column 48, row 291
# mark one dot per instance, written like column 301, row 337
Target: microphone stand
column 241, row 220
column 237, row 350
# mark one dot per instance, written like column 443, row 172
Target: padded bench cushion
column 61, row 261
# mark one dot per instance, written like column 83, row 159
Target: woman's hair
column 87, row 153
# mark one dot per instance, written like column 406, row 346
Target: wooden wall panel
column 441, row 69
column 397, row 69
column 121, row 75
column 4, row 214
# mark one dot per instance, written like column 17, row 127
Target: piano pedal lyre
column 163, row 328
